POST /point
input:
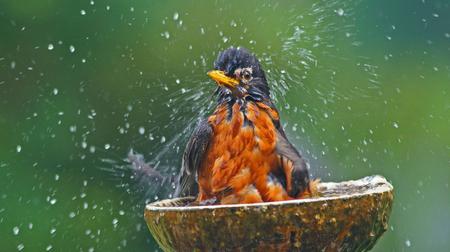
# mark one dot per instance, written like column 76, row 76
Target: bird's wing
column 192, row 159
column 293, row 166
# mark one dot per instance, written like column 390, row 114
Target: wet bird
column 240, row 153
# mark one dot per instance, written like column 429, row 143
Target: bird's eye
column 246, row 75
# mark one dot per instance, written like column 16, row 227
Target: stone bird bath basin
column 348, row 216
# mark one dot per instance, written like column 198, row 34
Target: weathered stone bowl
column 349, row 216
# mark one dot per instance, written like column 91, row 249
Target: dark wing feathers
column 192, row 159
column 300, row 174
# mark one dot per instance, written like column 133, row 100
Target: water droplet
column 294, row 127
column 50, row 47
column 73, row 128
column 340, row 12
column 71, row 48
column 408, row 243
column 20, row 247
column 166, row 34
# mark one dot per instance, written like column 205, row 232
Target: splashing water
column 308, row 39
column 362, row 87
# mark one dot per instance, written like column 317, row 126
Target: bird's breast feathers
column 241, row 155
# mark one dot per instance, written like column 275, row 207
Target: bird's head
column 239, row 75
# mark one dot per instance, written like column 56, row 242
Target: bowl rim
column 381, row 186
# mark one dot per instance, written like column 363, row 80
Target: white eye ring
column 246, row 74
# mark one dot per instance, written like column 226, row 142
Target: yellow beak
column 222, row 80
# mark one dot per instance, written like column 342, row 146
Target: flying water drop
column 340, row 12
column 16, row 230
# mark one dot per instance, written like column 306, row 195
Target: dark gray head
column 239, row 75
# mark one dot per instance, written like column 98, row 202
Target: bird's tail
column 145, row 173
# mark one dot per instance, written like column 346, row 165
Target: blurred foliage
column 362, row 86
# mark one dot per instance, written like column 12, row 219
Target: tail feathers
column 143, row 170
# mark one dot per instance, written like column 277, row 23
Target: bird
column 240, row 153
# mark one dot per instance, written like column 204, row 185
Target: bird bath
column 348, row 216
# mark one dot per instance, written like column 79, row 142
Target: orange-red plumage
column 236, row 167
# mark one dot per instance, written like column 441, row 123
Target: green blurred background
column 362, row 86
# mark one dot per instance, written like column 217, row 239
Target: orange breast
column 241, row 156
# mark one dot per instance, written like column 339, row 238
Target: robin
column 240, row 153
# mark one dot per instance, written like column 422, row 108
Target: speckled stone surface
column 348, row 216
